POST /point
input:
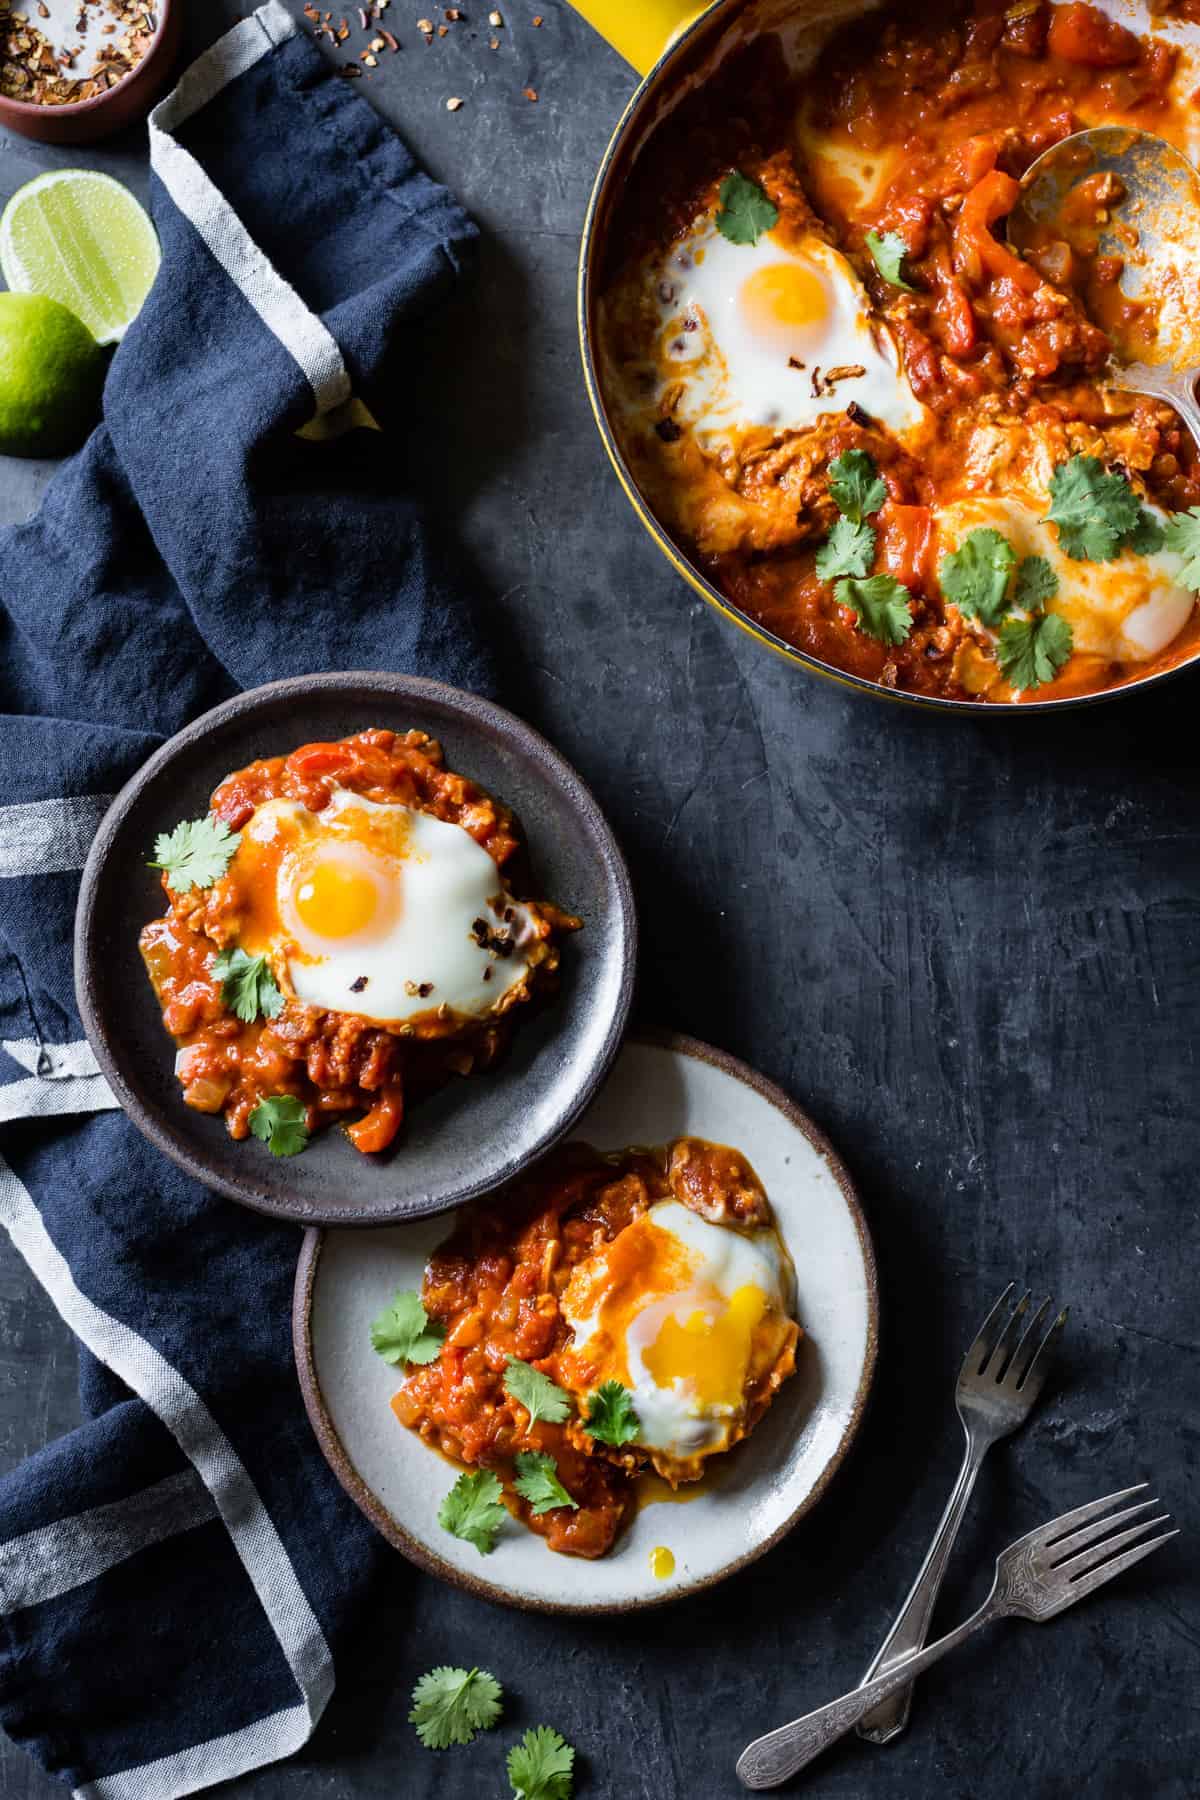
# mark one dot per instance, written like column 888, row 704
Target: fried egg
column 772, row 334
column 376, row 909
column 692, row 1317
column 1127, row 610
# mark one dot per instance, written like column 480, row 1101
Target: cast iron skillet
column 703, row 35
column 473, row 1134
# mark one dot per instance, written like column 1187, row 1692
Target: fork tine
column 1064, row 1526
column 1002, row 1355
column 1097, row 1554
column 1038, row 1367
column 1022, row 1356
column 1078, row 1540
column 985, row 1339
column 1087, row 1584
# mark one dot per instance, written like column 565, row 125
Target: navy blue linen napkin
column 179, row 1574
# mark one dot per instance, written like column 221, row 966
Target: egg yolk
column 709, row 1351
column 335, row 900
column 784, row 298
column 662, row 1562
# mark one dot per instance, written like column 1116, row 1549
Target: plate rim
column 393, row 684
column 385, row 1522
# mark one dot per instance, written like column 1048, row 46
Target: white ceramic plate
column 659, row 1089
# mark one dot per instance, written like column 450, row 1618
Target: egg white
column 418, row 951
column 736, row 319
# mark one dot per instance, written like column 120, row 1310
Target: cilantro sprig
column 404, row 1332
column 451, row 1705
column 281, row 1122
column 474, row 1510
column 975, row 576
column 848, row 550
column 881, row 605
column 1095, row 509
column 745, row 211
column 540, row 1766
column 888, row 251
column 541, row 1397
column 537, row 1481
column 856, row 485
column 611, row 1417
column 1035, row 584
column 1181, row 535
column 1032, row 651
column 247, row 985
column 195, row 854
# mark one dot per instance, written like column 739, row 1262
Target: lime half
column 82, row 239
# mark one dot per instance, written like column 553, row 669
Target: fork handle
column 770, row 1760
column 885, row 1721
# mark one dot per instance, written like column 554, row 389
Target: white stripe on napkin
column 219, row 1759
column 251, row 1529
column 64, row 1078
column 275, row 301
column 49, row 837
column 40, row 1565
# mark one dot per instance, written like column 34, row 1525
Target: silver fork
column 1001, row 1377
column 1036, row 1578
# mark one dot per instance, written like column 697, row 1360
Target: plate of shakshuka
column 622, row 1376
column 355, row 947
column 889, row 440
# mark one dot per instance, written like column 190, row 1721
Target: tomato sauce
column 339, row 1065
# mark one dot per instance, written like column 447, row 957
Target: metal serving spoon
column 1152, row 223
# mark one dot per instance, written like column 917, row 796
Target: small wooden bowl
column 86, row 121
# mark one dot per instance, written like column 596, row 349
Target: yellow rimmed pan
column 674, row 45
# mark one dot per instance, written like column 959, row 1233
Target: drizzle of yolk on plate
column 711, row 1354
column 662, row 1562
column 652, row 1490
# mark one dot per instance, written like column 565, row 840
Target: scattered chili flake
column 453, row 14
column 857, row 416
column 537, row 18
column 363, row 20
column 350, row 69
column 668, row 431
column 453, row 104
column 795, row 363
column 530, row 93
column 390, row 41
column 493, row 43
column 495, row 21
column 425, row 25
column 356, row 987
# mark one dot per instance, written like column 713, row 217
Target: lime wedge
column 82, row 239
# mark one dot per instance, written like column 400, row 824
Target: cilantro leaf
column 881, row 603
column 247, row 985
column 539, row 1767
column 611, row 1417
column 1147, row 535
column 537, row 1481
column 404, row 1332
column 848, row 550
column 975, row 576
column 855, row 485
column 541, row 1397
column 282, row 1124
column 745, row 210
column 888, row 251
column 1182, row 536
column 451, row 1705
column 196, row 853
column 1094, row 508
column 1031, row 651
column 473, row 1510
column 1036, row 583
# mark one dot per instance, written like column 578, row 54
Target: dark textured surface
column 971, row 949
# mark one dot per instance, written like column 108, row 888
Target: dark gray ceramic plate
column 474, row 1133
